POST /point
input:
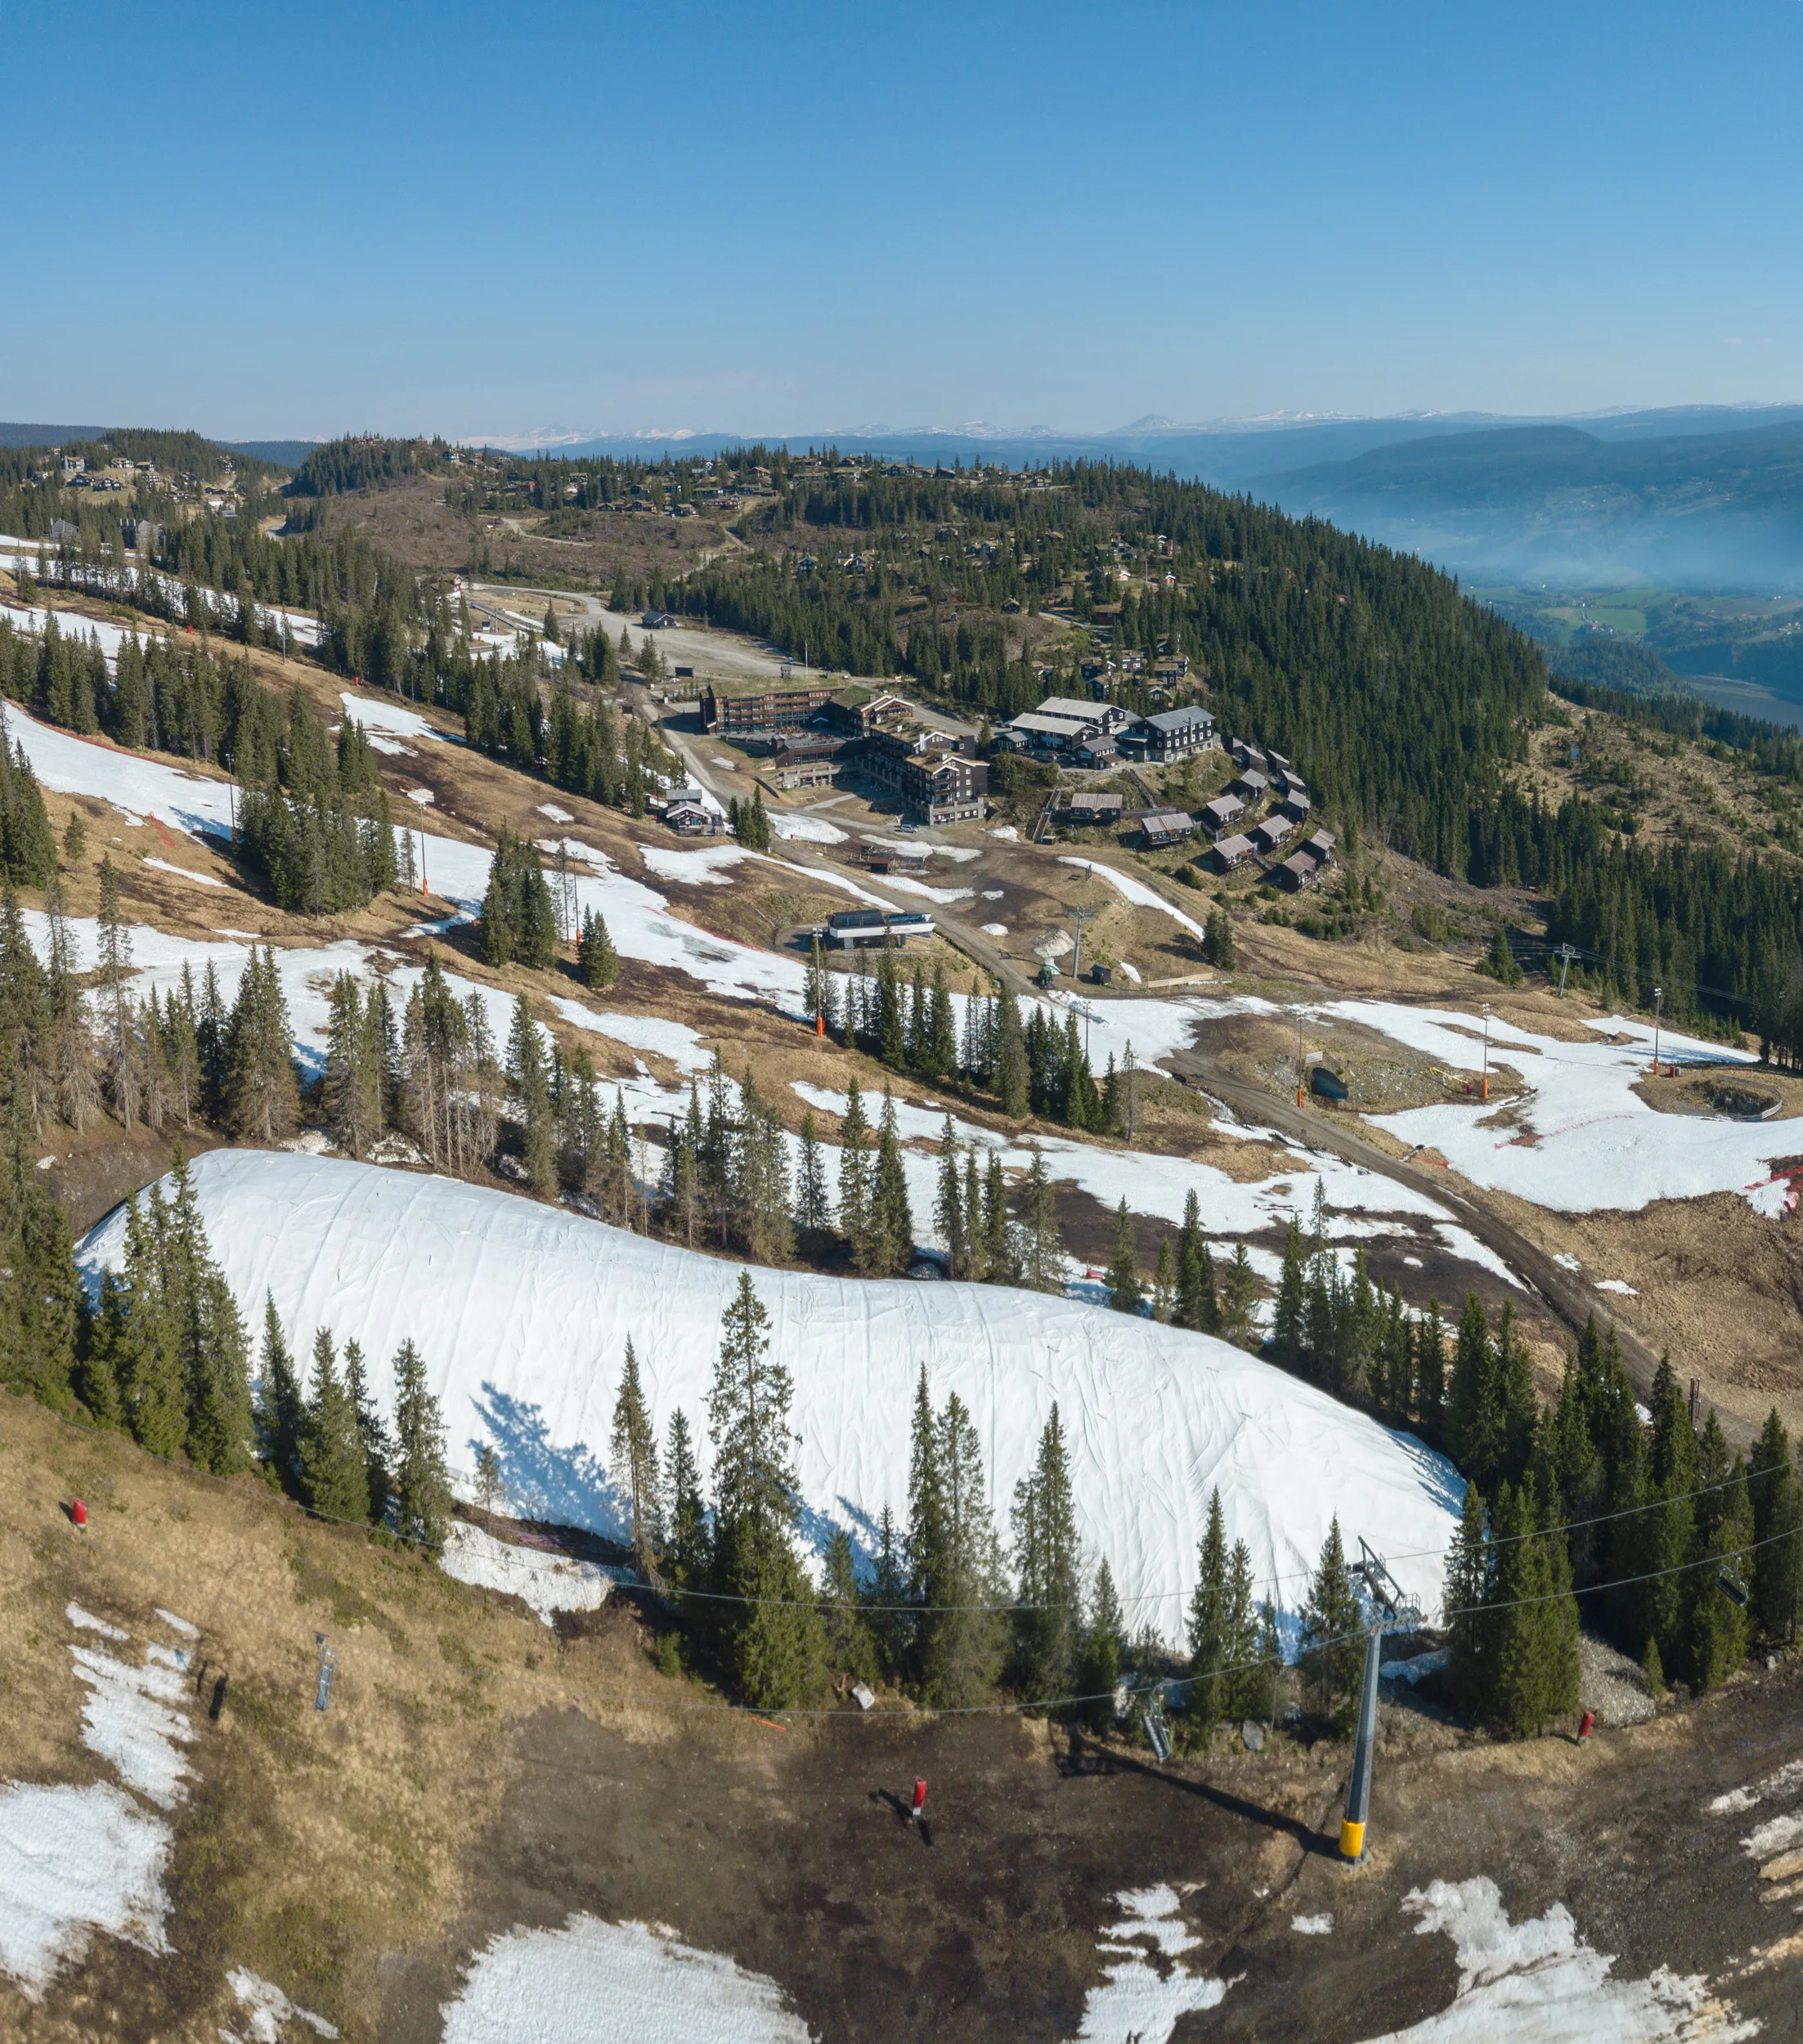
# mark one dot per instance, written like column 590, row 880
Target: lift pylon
column 1389, row 1611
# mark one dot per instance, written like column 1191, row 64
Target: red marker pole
column 79, row 1513
column 919, row 1809
column 1584, row 1724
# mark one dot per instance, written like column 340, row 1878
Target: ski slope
column 521, row 1312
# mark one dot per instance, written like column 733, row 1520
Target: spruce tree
column 1010, row 1056
column 1048, row 1573
column 1477, row 1422
column 963, row 1638
column 1288, row 1318
column 949, row 1205
column 280, row 1409
column 1430, row 1375
column 1039, row 1261
column 213, row 1352
column 1126, row 1294
column 422, row 1486
column 1243, row 1688
column 1333, row 1642
column 1777, row 1499
column 353, row 1074
column 1103, row 1649
column 262, row 1103
column 998, row 1260
column 854, row 1178
column 377, row 1452
column 772, row 1644
column 892, row 1220
column 334, row 1474
column 632, row 1457
column 530, row 1083
column 812, row 1208
column 1239, row 1297
column 597, row 962
column 687, row 1552
column 1469, row 1567
column 850, row 1645
column 1207, row 1628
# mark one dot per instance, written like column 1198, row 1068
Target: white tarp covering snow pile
column 548, row 1582
column 1580, row 1138
column 595, row 1982
column 76, row 1860
column 522, row 1312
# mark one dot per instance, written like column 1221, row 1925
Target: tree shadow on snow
column 564, row 1486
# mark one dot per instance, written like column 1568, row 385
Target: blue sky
column 302, row 221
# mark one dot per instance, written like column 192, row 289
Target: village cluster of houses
column 818, row 736
column 1099, row 735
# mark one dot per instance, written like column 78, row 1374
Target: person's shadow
column 903, row 1814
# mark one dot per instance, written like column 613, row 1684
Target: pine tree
column 262, row 1103
column 530, row 1083
column 1039, row 1263
column 949, row 1205
column 1777, row 1499
column 1430, row 1375
column 850, row 1646
column 1333, row 1643
column 40, row 1303
column 1196, row 1307
column 211, row 1351
column 1164, row 1299
column 772, row 1644
column 1476, row 1422
column 891, row 1218
column 1208, row 1627
column 812, row 1209
column 353, row 1088
column 855, row 1220
column 334, row 1474
column 1238, row 1298
column 1243, row 1688
column 1010, row 1074
column 114, row 938
column 377, row 1452
column 689, row 1552
column 280, row 1409
column 1048, row 1574
column 998, row 1261
column 954, row 1559
column 1469, row 1564
column 1104, row 1649
column 422, row 1488
column 633, row 1459
column 597, row 962
column 1126, row 1295
column 1288, row 1321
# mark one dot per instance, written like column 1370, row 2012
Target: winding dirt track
column 1569, row 1300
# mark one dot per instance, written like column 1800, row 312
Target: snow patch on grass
column 1776, row 1834
column 548, row 1582
column 674, row 1040
column 1787, row 1781
column 596, row 1983
column 85, row 1621
column 1134, row 890
column 182, row 872
column 1537, row 1982
column 1616, row 1284
column 127, row 1719
column 376, row 713
column 995, row 929
column 1313, row 1926
column 182, row 1625
column 1137, row 2004
column 270, row 2010
column 807, row 830
column 556, row 814
column 707, row 867
column 74, row 1861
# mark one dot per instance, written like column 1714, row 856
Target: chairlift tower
column 1390, row 1611
column 1565, row 954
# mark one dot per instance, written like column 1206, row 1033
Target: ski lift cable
column 540, row 1684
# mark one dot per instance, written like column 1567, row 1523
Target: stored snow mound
column 522, row 1314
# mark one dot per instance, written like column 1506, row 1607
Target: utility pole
column 1301, row 1075
column 1658, row 995
column 1077, row 960
column 1390, row 1611
column 1486, row 1050
column 1564, row 954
